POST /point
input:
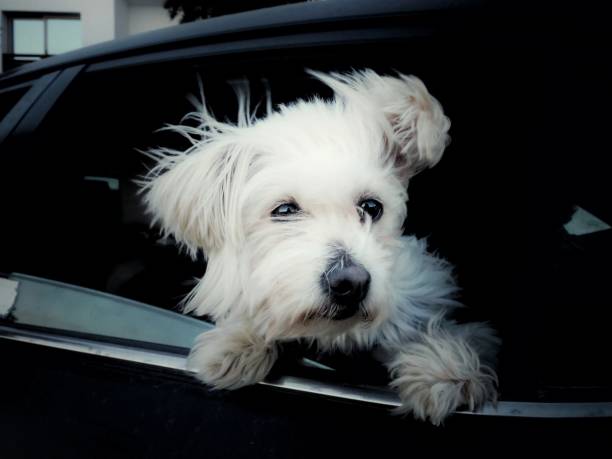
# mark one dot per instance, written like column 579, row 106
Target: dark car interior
column 529, row 136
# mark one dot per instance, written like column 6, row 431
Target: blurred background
column 34, row 29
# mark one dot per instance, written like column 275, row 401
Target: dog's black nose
column 347, row 283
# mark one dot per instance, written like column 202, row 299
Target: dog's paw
column 231, row 357
column 438, row 374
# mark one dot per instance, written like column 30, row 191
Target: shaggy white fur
column 322, row 162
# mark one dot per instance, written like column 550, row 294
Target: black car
column 92, row 340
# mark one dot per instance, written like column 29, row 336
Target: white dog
column 300, row 215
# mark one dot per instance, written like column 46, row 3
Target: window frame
column 27, row 114
column 18, row 59
column 16, row 114
column 19, row 91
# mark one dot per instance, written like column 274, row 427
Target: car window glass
column 98, row 235
column 55, row 306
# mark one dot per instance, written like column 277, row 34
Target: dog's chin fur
column 263, row 279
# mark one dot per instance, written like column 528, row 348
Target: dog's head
column 300, row 212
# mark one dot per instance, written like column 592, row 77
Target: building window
column 34, row 36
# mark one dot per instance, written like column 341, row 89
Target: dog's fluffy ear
column 194, row 195
column 416, row 126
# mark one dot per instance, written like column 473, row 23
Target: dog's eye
column 286, row 209
column 372, row 207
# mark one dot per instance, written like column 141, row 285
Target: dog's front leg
column 231, row 356
column 440, row 370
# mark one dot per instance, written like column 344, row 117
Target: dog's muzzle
column 347, row 284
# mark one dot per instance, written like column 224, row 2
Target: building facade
column 34, row 29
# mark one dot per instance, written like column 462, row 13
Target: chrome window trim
column 122, row 352
column 370, row 395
